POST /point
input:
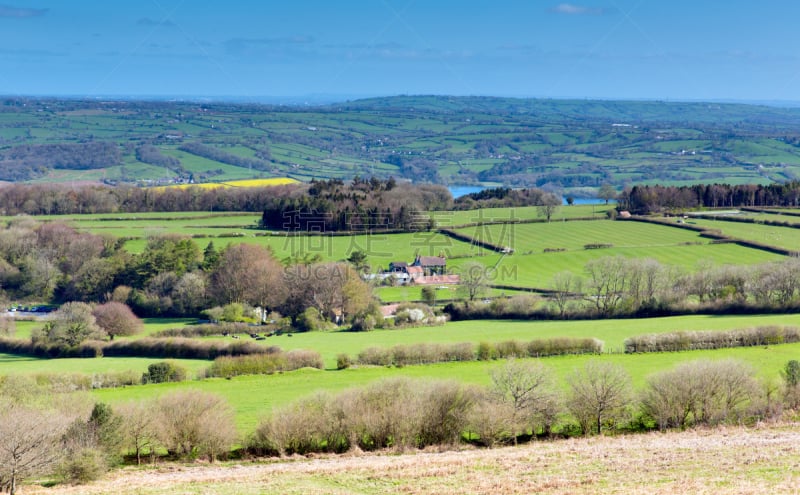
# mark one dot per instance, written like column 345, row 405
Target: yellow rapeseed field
column 275, row 181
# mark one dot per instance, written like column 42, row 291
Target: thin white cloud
column 20, row 12
column 572, row 9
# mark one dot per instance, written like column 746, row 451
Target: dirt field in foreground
column 758, row 460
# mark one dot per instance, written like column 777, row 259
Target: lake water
column 458, row 191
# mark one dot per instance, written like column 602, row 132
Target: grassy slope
column 721, row 461
column 253, row 396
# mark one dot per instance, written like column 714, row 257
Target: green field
column 783, row 237
column 530, row 266
column 253, row 396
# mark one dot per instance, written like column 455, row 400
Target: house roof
column 415, row 269
column 399, row 264
column 432, row 261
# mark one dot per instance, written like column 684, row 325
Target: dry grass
column 718, row 461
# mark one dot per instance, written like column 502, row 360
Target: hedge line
column 427, row 353
column 701, row 340
column 177, row 348
column 264, row 364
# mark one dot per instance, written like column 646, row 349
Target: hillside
column 720, row 461
column 568, row 144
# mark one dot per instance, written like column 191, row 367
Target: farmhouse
column 398, row 267
column 431, row 265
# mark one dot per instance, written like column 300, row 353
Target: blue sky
column 653, row 49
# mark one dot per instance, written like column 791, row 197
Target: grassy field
column 254, row 396
column 721, row 461
column 530, row 266
column 783, row 237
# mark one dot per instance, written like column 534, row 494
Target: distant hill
column 573, row 145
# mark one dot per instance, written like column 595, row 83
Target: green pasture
column 612, row 332
column 537, row 237
column 448, row 219
column 530, row 266
column 444, row 293
column 536, row 270
column 783, row 237
column 11, row 364
column 253, row 397
column 199, row 224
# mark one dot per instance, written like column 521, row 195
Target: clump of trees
column 363, row 205
column 652, row 199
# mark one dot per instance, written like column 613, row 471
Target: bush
column 343, row 361
column 87, row 465
column 194, row 423
column 312, row 320
column 397, row 413
column 686, row 341
column 205, row 330
column 265, row 364
column 486, row 351
column 701, row 393
column 163, row 372
column 375, row 356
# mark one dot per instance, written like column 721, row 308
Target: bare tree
column 607, row 192
column 474, row 280
column 527, row 388
column 139, row 427
column 549, row 206
column 701, row 392
column 565, row 286
column 30, row 443
column 249, row 274
column 607, row 282
column 599, row 392
column 196, row 423
column 330, row 288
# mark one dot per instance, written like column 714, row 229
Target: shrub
column 205, row 330
column 375, row 356
column 87, row 465
column 701, row 393
column 194, row 423
column 402, row 413
column 486, row 351
column 684, row 341
column 312, row 320
column 313, row 424
column 299, row 358
column 264, row 364
column 343, row 361
column 162, row 372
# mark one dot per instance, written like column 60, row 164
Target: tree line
column 643, row 200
